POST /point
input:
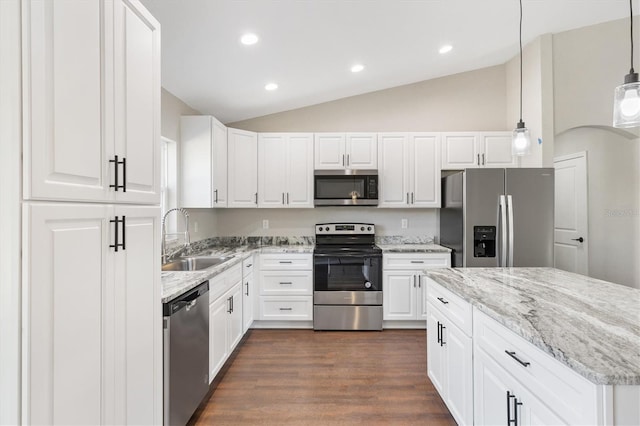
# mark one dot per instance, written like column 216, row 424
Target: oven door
column 347, row 279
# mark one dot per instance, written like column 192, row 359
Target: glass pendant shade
column 626, row 106
column 521, row 142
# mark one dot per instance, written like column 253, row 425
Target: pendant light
column 626, row 107
column 521, row 142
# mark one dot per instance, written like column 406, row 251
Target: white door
column 66, row 151
column 218, row 334
column 496, row 150
column 362, row 151
column 329, row 151
column 137, row 102
column 435, row 353
column 242, row 182
column 299, row 170
column 459, row 374
column 490, row 385
column 197, row 160
column 68, row 368
column 138, row 318
column 248, row 301
column 219, row 163
column 399, row 295
column 236, row 326
column 421, row 297
column 460, row 151
column 272, row 170
column 571, row 214
column 424, row 164
column 393, row 175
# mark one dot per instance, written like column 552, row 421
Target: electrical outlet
column 265, row 224
column 195, row 226
column 405, row 223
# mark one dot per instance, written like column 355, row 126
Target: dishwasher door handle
column 191, row 304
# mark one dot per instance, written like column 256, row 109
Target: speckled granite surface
column 413, row 248
column 590, row 325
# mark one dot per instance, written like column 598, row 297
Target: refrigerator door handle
column 511, row 227
column 503, row 231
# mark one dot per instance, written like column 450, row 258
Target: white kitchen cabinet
column 242, row 168
column 93, row 320
column 203, row 145
column 225, row 317
column 248, row 293
column 91, row 74
column 339, row 151
column 285, row 170
column 409, row 165
column 404, row 283
column 465, row 150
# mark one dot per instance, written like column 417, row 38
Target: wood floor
column 302, row 377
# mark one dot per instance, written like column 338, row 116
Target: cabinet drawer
column 288, row 308
column 290, row 283
column 570, row 395
column 291, row 261
column 247, row 266
column 222, row 282
column 416, row 261
column 457, row 310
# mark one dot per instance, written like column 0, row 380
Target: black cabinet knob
column 580, row 240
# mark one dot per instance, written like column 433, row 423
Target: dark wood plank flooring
column 302, row 377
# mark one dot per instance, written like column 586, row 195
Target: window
column 169, row 181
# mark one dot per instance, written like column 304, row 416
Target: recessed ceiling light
column 357, row 68
column 271, row 86
column 445, row 49
column 249, row 39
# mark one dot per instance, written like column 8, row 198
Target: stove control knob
column 320, row 228
column 368, row 228
column 362, row 228
column 326, row 229
column 367, row 285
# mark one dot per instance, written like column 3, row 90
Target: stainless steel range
column 347, row 278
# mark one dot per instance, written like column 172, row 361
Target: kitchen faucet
column 187, row 239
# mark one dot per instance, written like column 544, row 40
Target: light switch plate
column 405, row 223
column 265, row 224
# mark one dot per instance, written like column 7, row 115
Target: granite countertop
column 590, row 325
column 413, row 248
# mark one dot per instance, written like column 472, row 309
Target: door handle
column 414, row 281
column 444, row 302
column 512, row 354
column 483, row 159
column 419, row 281
column 343, row 160
column 216, row 196
column 478, row 160
column 286, row 309
column 580, row 240
column 412, row 199
column 348, row 160
column 116, row 163
column 116, row 240
column 247, row 284
column 407, row 198
column 287, row 198
column 283, row 198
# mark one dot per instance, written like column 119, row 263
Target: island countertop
column 590, row 325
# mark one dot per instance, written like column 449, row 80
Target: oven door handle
column 349, row 256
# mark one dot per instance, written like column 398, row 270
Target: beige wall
column 473, row 100
column 588, row 63
column 172, row 109
column 613, row 176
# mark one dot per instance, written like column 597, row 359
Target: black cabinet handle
column 515, row 411
column 439, row 335
column 483, row 159
column 512, row 354
column 116, row 241
column 215, row 200
column 442, row 342
column 124, row 236
column 124, row 175
column 256, row 198
column 116, row 179
column 443, row 301
column 247, row 284
column 286, row 309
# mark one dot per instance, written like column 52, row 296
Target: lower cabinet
column 225, row 317
column 248, row 293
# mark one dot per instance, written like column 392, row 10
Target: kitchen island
column 569, row 343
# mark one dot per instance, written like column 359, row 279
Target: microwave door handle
column 502, row 229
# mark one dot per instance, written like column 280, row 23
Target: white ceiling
column 308, row 46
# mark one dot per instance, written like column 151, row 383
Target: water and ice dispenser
column 484, row 241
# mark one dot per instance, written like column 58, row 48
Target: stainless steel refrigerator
column 498, row 217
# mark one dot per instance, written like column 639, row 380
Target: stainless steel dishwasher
column 186, row 354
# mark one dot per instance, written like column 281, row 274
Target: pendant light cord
column 521, row 60
column 631, row 20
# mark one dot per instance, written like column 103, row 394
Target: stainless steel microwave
column 346, row 188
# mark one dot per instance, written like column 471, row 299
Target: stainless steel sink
column 194, row 263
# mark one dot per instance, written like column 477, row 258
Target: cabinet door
column 68, row 367
column 218, row 334
column 137, row 101
column 399, row 295
column 459, row 373
column 496, row 148
column 393, row 175
column 196, row 158
column 300, row 171
column 424, row 161
column 362, row 151
column 236, row 325
column 66, row 146
column 460, row 151
column 421, row 297
column 248, row 301
column 435, row 353
column 272, row 170
column 490, row 386
column 219, row 161
column 242, row 147
column 329, row 151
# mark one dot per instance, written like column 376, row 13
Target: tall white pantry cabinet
column 91, row 307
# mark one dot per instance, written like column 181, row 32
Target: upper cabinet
column 285, row 170
column 204, row 162
column 466, row 150
column 338, row 151
column 409, row 169
column 91, row 73
column 242, row 168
